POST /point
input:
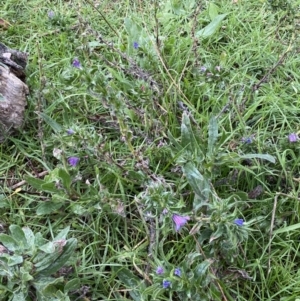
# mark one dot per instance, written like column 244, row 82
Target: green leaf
column 65, row 178
column 50, row 187
column 25, row 275
column 49, row 247
column 259, row 156
column 211, row 28
column 46, row 287
column 66, row 254
column 132, row 282
column 19, row 297
column 10, row 243
column 193, row 176
column 72, row 285
column 188, row 139
column 14, row 260
column 212, row 134
column 30, row 238
column 43, row 261
column 62, row 234
column 4, row 203
column 202, row 268
column 52, row 123
column 34, row 182
column 287, row 229
column 48, row 207
column 176, row 146
column 213, row 11
column 78, row 209
column 198, row 183
column 18, row 234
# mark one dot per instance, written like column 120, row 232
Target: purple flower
column 73, row 161
column 135, row 45
column 239, row 222
column 51, row 14
column 203, row 68
column 179, row 221
column 247, row 140
column 177, row 272
column 166, row 283
column 293, row 137
column 70, row 132
column 160, row 270
column 76, row 63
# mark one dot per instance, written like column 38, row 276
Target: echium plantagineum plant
column 28, row 261
column 213, row 228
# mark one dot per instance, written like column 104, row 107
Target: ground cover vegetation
column 159, row 159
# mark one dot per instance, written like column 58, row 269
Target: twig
column 39, row 175
column 271, row 230
column 39, row 106
column 255, row 87
column 102, row 16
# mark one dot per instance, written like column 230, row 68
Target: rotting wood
column 13, row 90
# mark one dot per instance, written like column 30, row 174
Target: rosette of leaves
column 28, row 263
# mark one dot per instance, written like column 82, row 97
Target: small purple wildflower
column 51, row 14
column 293, row 137
column 247, row 140
column 239, row 222
column 177, row 272
column 179, row 221
column 166, row 283
column 203, row 68
column 160, row 270
column 76, row 63
column 73, row 161
column 70, row 132
column 136, row 45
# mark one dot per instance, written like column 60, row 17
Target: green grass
column 157, row 127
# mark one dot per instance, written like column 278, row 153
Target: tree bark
column 13, row 90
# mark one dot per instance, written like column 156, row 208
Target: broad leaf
column 48, row 207
column 66, row 254
column 10, row 243
column 212, row 134
column 65, row 178
column 259, row 156
column 202, row 268
column 18, row 234
column 199, row 185
column 72, row 285
column 52, row 123
column 213, row 11
column 211, row 28
column 132, row 282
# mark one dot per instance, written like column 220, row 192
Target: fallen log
column 13, row 90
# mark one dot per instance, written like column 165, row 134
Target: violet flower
column 293, row 137
column 73, row 161
column 76, row 63
column 51, row 14
column 179, row 221
column 135, row 45
column 70, row 132
column 160, row 270
column 166, row 283
column 239, row 222
column 177, row 272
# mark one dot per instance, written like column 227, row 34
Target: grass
column 188, row 123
